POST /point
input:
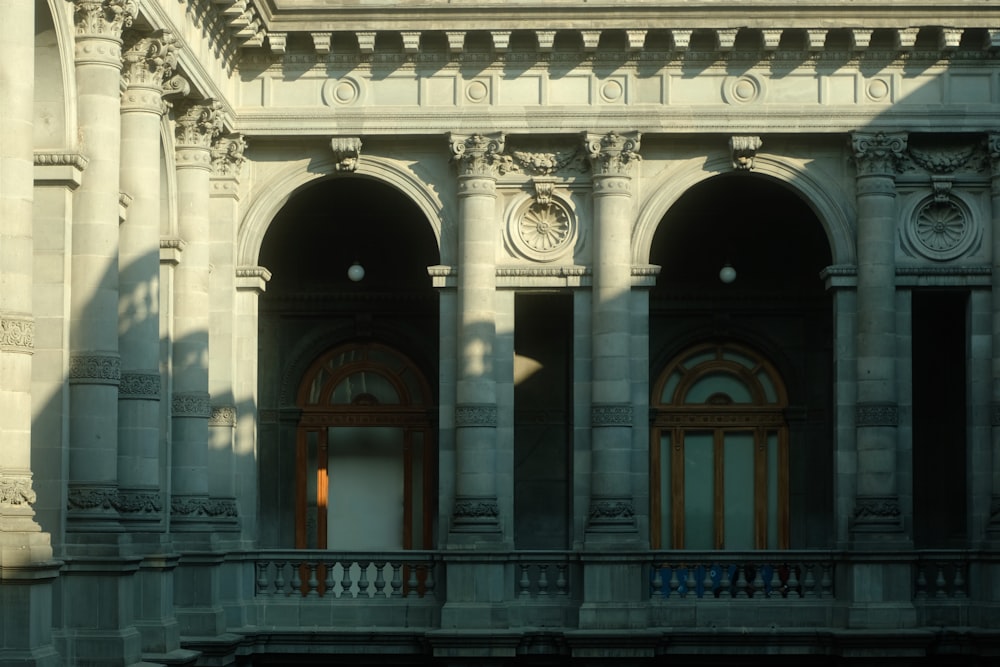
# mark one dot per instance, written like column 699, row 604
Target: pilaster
column 992, row 528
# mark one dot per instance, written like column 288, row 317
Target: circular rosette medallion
column 942, row 229
column 542, row 231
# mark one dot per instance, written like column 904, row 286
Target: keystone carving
column 346, row 152
column 744, row 150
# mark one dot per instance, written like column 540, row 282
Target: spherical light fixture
column 356, row 272
column 727, row 273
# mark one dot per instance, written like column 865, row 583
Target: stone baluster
column 198, row 123
column 612, row 509
column 26, row 555
column 877, row 514
column 476, row 509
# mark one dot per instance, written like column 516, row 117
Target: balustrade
column 543, row 576
column 784, row 575
column 940, row 575
column 376, row 577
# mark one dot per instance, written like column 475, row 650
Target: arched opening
column 776, row 305
column 364, row 452
column 314, row 313
column 719, row 452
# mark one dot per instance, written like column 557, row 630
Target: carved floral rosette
column 541, row 229
column 940, row 227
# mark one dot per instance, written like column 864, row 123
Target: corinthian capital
column 149, row 60
column 878, row 154
column 479, row 154
column 612, row 154
column 993, row 148
column 104, row 18
column 198, row 123
column 227, row 155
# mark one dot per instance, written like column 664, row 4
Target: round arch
column 55, row 75
column 291, row 180
column 833, row 212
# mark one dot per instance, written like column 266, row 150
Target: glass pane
column 317, row 386
column 665, row 508
column 738, row 510
column 765, row 382
column 312, row 438
column 739, row 358
column 718, row 383
column 364, row 383
column 772, row 490
column 699, row 490
column 699, row 358
column 670, row 387
column 366, row 488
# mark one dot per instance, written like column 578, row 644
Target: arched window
column 365, row 465
column 719, row 452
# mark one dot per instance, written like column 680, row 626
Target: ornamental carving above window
column 941, row 228
column 542, row 231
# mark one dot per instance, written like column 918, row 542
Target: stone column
column 198, row 123
column 26, row 566
column 148, row 60
column 95, row 367
column 877, row 514
column 993, row 522
column 227, row 160
column 612, row 508
column 476, row 509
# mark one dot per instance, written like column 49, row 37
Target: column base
column 26, row 601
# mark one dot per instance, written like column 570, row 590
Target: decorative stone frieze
column 17, row 333
column 876, row 414
column 95, row 369
column 203, row 507
column 227, row 155
column 942, row 157
column 479, row 154
column 476, row 509
column 16, row 491
column 612, row 154
column 610, row 511
column 191, row 404
column 142, row 386
column 139, row 501
column 346, row 151
column 475, row 415
column 611, row 415
column 223, row 415
column 744, row 150
column 61, row 159
column 878, row 154
column 547, row 163
column 876, row 513
column 91, row 498
column 104, row 18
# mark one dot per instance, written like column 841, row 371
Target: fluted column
column 148, row 61
column 611, row 509
column 993, row 522
column 197, row 125
column 95, row 367
column 877, row 513
column 476, row 509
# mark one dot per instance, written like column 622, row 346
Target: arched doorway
column 364, row 452
column 719, row 452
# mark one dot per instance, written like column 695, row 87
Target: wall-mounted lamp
column 727, row 273
column 356, row 272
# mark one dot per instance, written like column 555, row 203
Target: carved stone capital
column 227, row 155
column 198, row 123
column 148, row 60
column 475, row 415
column 191, row 404
column 993, row 149
column 612, row 154
column 611, row 414
column 16, row 491
column 479, row 155
column 878, row 154
column 139, row 386
column 103, row 18
column 744, row 150
column 876, row 414
column 346, row 152
column 17, row 333
column 95, row 369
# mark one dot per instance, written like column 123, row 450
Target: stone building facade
column 499, row 332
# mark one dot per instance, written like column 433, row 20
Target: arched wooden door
column 365, row 452
column 719, row 452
